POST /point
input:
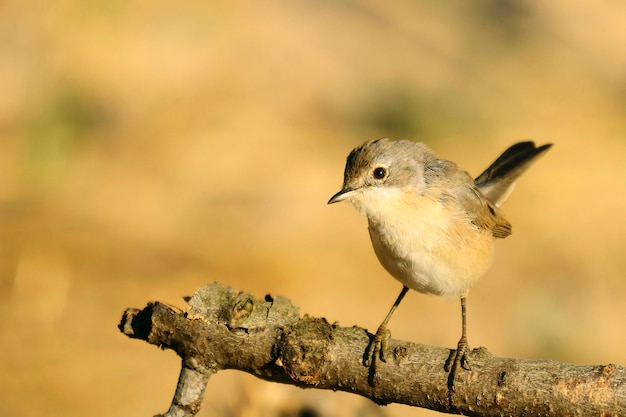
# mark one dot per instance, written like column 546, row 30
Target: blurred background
column 150, row 147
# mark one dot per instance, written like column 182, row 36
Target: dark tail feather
column 497, row 182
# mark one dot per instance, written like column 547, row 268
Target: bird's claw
column 457, row 358
column 376, row 351
column 377, row 347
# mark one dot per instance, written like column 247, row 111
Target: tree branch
column 228, row 329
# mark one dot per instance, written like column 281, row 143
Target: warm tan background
column 149, row 148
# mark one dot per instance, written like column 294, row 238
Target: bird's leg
column 460, row 355
column 378, row 345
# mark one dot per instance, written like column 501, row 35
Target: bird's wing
column 453, row 186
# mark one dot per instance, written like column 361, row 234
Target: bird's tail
column 497, row 182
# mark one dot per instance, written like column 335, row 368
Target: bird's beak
column 341, row 195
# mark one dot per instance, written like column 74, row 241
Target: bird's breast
column 428, row 246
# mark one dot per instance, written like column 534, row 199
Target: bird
column 432, row 226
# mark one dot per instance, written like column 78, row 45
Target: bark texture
column 227, row 329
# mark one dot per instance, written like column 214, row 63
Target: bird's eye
column 379, row 173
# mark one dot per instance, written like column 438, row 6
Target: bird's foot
column 376, row 351
column 458, row 358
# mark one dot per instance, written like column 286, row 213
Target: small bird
column 432, row 226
